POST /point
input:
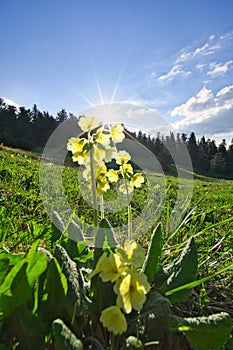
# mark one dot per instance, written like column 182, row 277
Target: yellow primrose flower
column 101, row 171
column 87, row 174
column 117, row 133
column 99, row 155
column 76, row 146
column 131, row 291
column 103, row 137
column 114, row 320
column 122, row 157
column 109, row 153
column 126, row 189
column 109, row 267
column 112, row 175
column 102, row 186
column 126, row 169
column 137, row 180
column 88, row 123
column 132, row 253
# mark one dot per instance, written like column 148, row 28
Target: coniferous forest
column 29, row 129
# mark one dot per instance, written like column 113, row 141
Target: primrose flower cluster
column 130, row 285
column 98, row 149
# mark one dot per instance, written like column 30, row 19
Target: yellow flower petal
column 131, row 291
column 117, row 133
column 126, row 189
column 102, row 186
column 137, row 180
column 109, row 153
column 114, row 320
column 103, row 137
column 126, row 169
column 88, row 123
column 112, row 175
column 122, row 157
column 109, row 267
column 99, row 265
column 135, row 253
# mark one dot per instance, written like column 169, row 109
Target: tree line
column 204, row 153
column 30, row 129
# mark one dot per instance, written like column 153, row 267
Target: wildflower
column 109, row 267
column 117, row 133
column 88, row 123
column 114, row 320
column 97, row 159
column 112, row 175
column 77, row 147
column 137, row 180
column 122, row 157
column 102, row 186
column 126, row 169
column 101, row 172
column 135, row 253
column 131, row 291
column 109, row 153
column 103, row 137
column 126, row 188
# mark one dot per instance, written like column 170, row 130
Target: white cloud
column 208, row 48
column 211, row 37
column 200, row 66
column 174, row 72
column 218, row 69
column 227, row 36
column 132, row 113
column 191, row 55
column 206, row 113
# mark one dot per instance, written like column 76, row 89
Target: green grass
column 23, row 217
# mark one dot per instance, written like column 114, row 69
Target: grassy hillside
column 23, row 217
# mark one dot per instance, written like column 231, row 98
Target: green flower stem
column 129, row 210
column 93, row 185
column 129, row 222
column 102, row 206
column 114, row 340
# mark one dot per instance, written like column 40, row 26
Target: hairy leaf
column 54, row 291
column 75, row 298
column 64, row 338
column 75, row 232
column 153, row 321
column 183, row 270
column 205, row 333
column 152, row 262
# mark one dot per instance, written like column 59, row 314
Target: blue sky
column 175, row 57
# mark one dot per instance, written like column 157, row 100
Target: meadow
column 209, row 217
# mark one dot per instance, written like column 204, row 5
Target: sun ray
column 115, row 89
column 87, row 100
column 118, row 81
column 84, row 97
column 99, row 89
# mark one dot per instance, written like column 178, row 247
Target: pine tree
column 203, row 159
column 193, row 150
column 230, row 158
column 219, row 163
